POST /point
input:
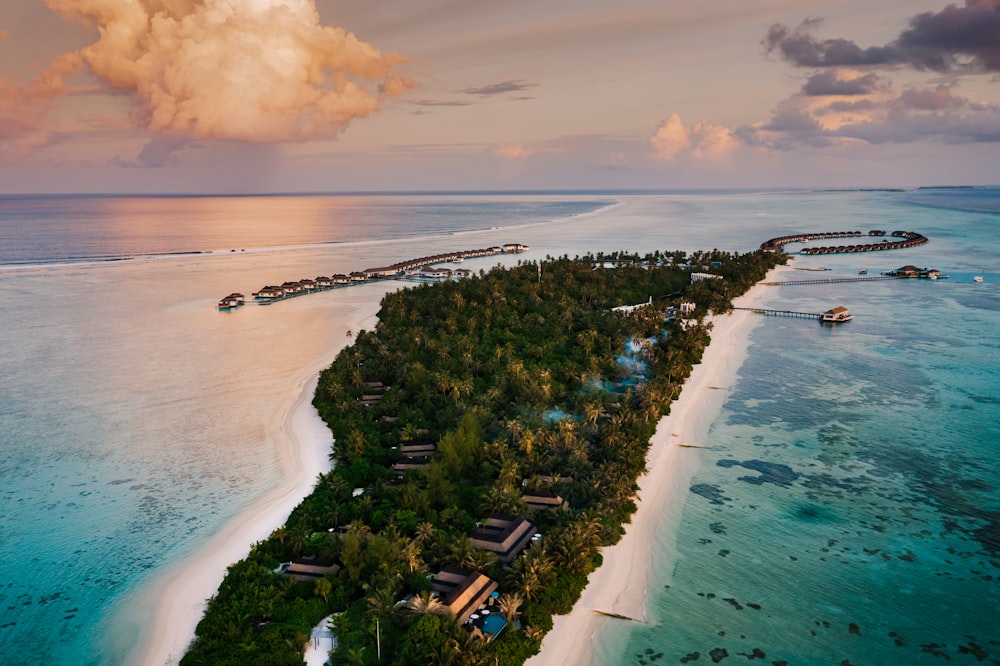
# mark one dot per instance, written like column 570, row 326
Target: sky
column 261, row 96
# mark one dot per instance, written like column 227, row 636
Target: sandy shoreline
column 305, row 442
column 620, row 585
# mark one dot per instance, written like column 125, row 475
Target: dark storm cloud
column 965, row 38
column 158, row 152
column 799, row 47
column 955, row 37
column 500, row 88
column 792, row 120
column 827, row 82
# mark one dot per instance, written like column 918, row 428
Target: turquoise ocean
column 847, row 509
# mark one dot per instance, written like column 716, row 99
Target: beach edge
column 618, row 588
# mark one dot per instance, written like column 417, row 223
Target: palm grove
column 526, row 381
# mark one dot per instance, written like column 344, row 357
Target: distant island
column 488, row 435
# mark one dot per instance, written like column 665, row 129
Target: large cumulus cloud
column 247, row 70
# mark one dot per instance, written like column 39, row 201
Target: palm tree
column 323, row 589
column 480, row 560
column 530, row 571
column 298, row 537
column 411, row 557
column 355, row 656
column 426, row 603
column 280, row 534
column 425, row 532
column 509, row 603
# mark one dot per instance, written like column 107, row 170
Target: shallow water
column 848, row 510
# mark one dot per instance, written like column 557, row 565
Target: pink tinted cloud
column 703, row 141
column 248, row 70
column 519, row 151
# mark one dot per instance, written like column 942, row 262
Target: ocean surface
column 847, row 509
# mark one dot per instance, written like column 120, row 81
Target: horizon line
column 495, row 192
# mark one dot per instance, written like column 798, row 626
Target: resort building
column 541, row 500
column 462, row 591
column 836, row 315
column 269, row 292
column 416, row 454
column 687, row 308
column 417, row 449
column 695, row 277
column 310, row 568
column 435, row 273
column 504, row 535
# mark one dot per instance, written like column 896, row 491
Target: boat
column 863, row 271
column 977, row 278
column 836, row 315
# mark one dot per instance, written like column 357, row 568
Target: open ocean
column 848, row 507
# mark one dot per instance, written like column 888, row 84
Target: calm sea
column 850, row 492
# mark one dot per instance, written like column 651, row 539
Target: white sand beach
column 304, row 443
column 619, row 586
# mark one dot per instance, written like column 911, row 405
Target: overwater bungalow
column 836, row 315
column 231, row 301
column 269, row 292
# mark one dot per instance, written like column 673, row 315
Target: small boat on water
column 863, row 271
column 977, row 278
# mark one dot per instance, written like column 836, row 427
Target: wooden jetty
column 837, row 315
column 783, row 313
column 861, row 278
column 901, row 239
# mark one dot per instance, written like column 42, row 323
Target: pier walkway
column 866, row 278
column 783, row 313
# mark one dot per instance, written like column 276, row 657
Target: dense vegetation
column 525, row 379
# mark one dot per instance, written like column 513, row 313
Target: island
column 488, row 437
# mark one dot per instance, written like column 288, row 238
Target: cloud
column 159, row 151
column 246, row 70
column 500, row 88
column 798, row 46
column 910, row 116
column 964, row 39
column 520, row 151
column 829, row 82
column 26, row 110
column 704, row 141
column 670, row 139
column 955, row 38
column 439, row 102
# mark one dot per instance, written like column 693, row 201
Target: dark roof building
column 462, row 591
column 503, row 535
